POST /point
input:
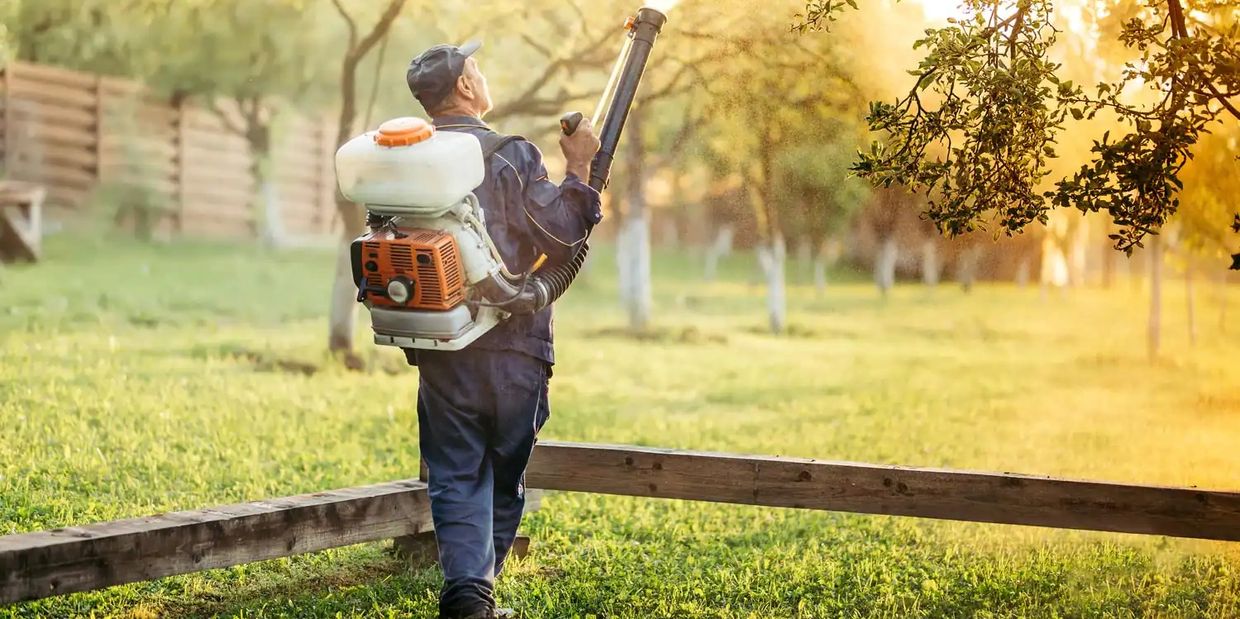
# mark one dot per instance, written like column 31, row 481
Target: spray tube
column 539, row 290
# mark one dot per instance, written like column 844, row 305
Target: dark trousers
column 479, row 412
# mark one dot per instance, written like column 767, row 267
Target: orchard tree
column 1209, row 197
column 819, row 195
column 359, row 42
column 987, row 105
column 763, row 102
column 260, row 58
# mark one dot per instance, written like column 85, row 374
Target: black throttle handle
column 570, row 121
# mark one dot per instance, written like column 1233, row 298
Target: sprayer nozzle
column 650, row 15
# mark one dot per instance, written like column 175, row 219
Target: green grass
column 136, row 379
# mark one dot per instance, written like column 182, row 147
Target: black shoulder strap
column 492, row 142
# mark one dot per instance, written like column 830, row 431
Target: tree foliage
column 980, row 123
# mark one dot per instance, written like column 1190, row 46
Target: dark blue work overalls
column 480, row 409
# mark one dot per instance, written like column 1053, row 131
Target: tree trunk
column 1154, row 328
column 1022, row 271
column 772, row 257
column 624, row 263
column 805, row 256
column 263, row 171
column 1188, row 302
column 274, row 234
column 822, row 260
column 967, row 267
column 635, row 230
column 930, row 263
column 342, row 316
column 634, row 258
column 885, row 265
column 719, row 249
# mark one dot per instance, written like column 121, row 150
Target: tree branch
column 225, row 119
column 348, row 20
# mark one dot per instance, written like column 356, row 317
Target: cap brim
column 469, row 47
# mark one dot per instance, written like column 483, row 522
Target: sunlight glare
column 662, row 6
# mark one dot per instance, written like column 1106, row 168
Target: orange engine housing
column 428, row 259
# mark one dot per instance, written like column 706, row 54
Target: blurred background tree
column 743, row 130
column 988, row 103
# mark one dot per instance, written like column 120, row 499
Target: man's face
column 478, row 83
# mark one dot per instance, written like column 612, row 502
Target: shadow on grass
column 263, row 361
column 661, row 335
column 322, row 584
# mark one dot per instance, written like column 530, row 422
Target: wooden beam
column 37, row 565
column 891, row 490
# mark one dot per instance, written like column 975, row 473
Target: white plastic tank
column 408, row 168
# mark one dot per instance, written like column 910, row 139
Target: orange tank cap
column 403, row 131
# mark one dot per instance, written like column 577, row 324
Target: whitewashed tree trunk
column 885, row 265
column 635, row 233
column 624, row 263
column 823, row 259
column 1154, row 328
column 930, row 263
column 966, row 268
column 637, row 296
column 805, row 256
column 1022, row 272
column 719, row 249
column 342, row 318
column 1188, row 302
column 772, row 257
column 274, row 234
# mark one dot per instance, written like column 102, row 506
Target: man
column 480, row 409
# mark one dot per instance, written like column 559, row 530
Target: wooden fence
column 47, row 563
column 76, row 132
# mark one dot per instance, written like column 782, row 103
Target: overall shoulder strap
column 492, row 142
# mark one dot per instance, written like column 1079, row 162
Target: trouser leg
column 521, row 412
column 453, row 433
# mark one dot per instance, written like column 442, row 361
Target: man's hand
column 579, row 149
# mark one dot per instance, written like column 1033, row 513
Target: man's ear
column 464, row 88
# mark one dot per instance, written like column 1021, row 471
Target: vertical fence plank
column 9, row 129
column 99, row 112
column 182, row 150
column 327, row 177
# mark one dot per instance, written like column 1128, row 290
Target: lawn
column 137, row 379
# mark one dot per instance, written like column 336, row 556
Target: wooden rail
column 46, row 563
column 892, row 490
column 34, row 565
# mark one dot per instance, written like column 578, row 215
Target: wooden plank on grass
column 36, row 565
column 891, row 490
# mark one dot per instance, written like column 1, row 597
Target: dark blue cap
column 433, row 74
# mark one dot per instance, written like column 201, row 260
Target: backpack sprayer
column 427, row 269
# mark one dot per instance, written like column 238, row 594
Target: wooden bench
column 21, row 221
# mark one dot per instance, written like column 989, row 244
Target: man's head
column 446, row 80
